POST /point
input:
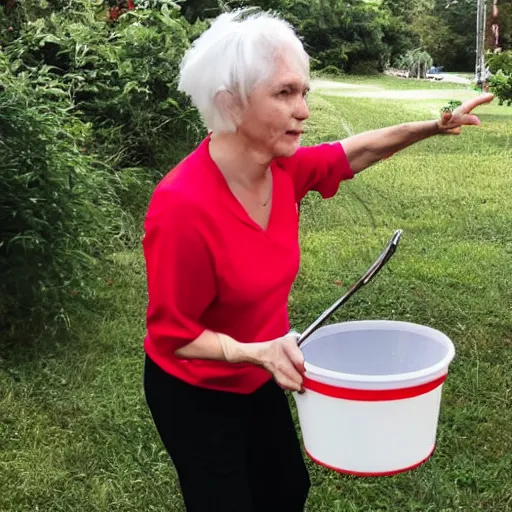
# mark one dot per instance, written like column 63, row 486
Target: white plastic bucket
column 372, row 395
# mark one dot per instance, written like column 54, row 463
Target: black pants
column 232, row 452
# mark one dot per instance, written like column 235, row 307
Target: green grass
column 464, row 74
column 75, row 434
column 393, row 83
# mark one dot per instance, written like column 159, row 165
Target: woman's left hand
column 451, row 122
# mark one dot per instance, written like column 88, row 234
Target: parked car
column 435, row 73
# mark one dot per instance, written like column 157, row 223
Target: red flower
column 114, row 13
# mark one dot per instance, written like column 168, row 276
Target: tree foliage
column 415, row 61
column 59, row 208
column 500, row 83
column 90, row 119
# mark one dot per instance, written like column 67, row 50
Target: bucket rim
column 401, row 378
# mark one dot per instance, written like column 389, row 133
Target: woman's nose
column 301, row 109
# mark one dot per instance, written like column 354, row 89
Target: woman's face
column 274, row 118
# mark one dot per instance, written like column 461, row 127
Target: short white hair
column 237, row 52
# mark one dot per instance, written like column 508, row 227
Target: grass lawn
column 393, row 83
column 464, row 74
column 76, row 436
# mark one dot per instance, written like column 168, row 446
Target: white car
column 435, row 74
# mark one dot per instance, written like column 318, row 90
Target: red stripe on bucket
column 371, row 395
column 363, row 474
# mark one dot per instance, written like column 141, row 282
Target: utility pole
column 480, row 41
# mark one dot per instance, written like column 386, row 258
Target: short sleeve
column 180, row 272
column 320, row 168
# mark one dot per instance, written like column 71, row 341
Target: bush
column 329, row 72
column 153, row 124
column 368, row 68
column 59, row 210
column 500, row 62
column 122, row 78
column 500, row 83
column 90, row 119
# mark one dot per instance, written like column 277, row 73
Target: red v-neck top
column 210, row 266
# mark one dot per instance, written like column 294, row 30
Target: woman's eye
column 284, row 92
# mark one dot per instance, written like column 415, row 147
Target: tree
column 445, row 28
column 459, row 16
column 505, row 24
column 408, row 10
column 415, row 61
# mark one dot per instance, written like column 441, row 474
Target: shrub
column 500, row 61
column 366, row 68
column 501, row 85
column 122, row 78
column 90, row 118
column 500, row 64
column 330, row 71
column 59, row 210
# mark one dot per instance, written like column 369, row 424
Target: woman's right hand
column 284, row 360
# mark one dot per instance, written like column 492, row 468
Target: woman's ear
column 229, row 107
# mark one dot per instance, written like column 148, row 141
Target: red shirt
column 210, row 266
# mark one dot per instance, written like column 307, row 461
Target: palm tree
column 415, row 61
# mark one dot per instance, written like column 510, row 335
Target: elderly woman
column 222, row 252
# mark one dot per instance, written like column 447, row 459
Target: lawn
column 391, row 82
column 76, row 436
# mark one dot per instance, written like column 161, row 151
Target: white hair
column 237, row 52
